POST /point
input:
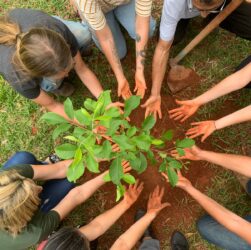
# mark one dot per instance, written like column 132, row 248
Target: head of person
column 207, row 6
column 67, row 238
column 19, row 200
column 39, row 52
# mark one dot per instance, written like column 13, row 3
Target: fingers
column 159, row 113
column 165, row 176
column 166, row 204
column 173, row 111
column 146, row 103
column 115, row 148
column 185, row 118
column 204, row 137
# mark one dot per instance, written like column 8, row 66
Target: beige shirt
column 93, row 10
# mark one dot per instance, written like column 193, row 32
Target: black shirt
column 27, row 19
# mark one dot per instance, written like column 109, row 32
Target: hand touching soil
column 133, row 192
column 204, row 128
column 153, row 106
column 140, row 85
column 124, row 89
column 186, row 109
column 192, row 154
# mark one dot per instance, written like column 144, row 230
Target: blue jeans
column 124, row 15
column 150, row 244
column 79, row 30
column 218, row 235
column 53, row 190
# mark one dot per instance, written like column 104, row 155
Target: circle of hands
column 153, row 107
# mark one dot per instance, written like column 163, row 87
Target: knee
column 24, row 156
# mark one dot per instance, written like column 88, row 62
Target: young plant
column 94, row 128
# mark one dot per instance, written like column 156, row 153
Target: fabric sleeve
column 143, row 7
column 50, row 222
column 169, row 20
column 92, row 13
column 25, row 170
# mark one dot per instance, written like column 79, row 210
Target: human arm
column 87, row 76
column 228, row 219
column 232, row 83
column 103, row 222
column 109, row 48
column 78, row 195
column 50, row 104
column 51, row 171
column 142, row 31
column 160, row 59
column 237, row 163
column 128, row 240
column 206, row 128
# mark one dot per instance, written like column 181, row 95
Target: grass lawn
column 215, row 58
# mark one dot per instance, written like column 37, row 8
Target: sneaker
column 149, row 232
column 66, row 89
column 179, row 241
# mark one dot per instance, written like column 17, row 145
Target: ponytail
column 9, row 31
column 40, row 52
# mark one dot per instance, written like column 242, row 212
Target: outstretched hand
column 140, row 85
column 186, row 109
column 182, row 181
column 133, row 192
column 154, row 205
column 124, row 89
column 204, row 128
column 153, row 106
column 192, row 154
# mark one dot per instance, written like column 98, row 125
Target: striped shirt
column 93, row 10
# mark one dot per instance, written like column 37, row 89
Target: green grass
column 213, row 59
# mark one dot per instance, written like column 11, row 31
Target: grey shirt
column 27, row 19
column 172, row 12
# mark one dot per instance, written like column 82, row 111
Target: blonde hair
column 18, row 201
column 39, row 52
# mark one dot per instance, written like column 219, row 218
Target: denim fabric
column 53, row 190
column 150, row 244
column 124, row 15
column 79, row 30
column 218, row 235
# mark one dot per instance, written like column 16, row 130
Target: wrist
column 197, row 101
column 218, row 124
column 127, row 204
column 151, row 215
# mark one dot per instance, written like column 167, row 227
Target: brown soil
column 183, row 210
column 180, row 77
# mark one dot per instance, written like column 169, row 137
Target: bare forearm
column 239, row 116
column 91, row 82
column 104, row 221
column 232, row 83
column 229, row 220
column 128, row 240
column 109, row 48
column 86, row 190
column 142, row 31
column 160, row 60
column 51, row 171
column 237, row 163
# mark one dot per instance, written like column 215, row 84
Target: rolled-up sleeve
column 92, row 13
column 143, row 7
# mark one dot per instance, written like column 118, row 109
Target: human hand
column 133, row 192
column 192, row 154
column 140, row 85
column 154, row 205
column 126, row 166
column 183, row 182
column 153, row 106
column 204, row 128
column 186, row 109
column 124, row 89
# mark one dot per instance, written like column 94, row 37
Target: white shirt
column 172, row 12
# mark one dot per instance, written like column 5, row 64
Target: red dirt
column 182, row 210
column 180, row 77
